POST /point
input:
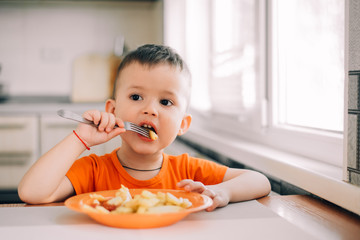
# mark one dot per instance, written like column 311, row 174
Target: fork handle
column 76, row 117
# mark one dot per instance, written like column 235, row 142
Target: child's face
column 156, row 96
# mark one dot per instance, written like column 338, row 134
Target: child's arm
column 45, row 181
column 238, row 185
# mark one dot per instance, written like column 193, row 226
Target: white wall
column 40, row 40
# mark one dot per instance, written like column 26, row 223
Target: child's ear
column 110, row 106
column 185, row 124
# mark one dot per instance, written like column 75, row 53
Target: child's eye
column 166, row 102
column 135, row 97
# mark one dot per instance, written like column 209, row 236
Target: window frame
column 323, row 145
column 263, row 127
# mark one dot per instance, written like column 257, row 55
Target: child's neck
column 140, row 166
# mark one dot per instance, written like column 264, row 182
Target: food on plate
column 146, row 202
column 153, row 135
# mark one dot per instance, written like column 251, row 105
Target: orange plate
column 136, row 220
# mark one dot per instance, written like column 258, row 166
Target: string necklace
column 141, row 170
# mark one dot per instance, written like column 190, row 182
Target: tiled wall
column 352, row 160
column 353, row 127
column 353, row 135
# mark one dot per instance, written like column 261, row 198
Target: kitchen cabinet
column 19, row 148
column 29, row 131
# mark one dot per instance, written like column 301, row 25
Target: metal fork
column 127, row 125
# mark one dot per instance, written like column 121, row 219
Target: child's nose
column 150, row 113
column 150, row 109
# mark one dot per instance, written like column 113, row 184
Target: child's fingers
column 119, row 122
column 104, row 121
column 192, row 186
column 93, row 115
column 209, row 192
column 115, row 132
column 184, row 182
column 111, row 123
column 110, row 130
column 216, row 199
column 215, row 195
column 216, row 203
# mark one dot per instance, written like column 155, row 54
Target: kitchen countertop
column 44, row 104
column 271, row 217
column 246, row 220
column 315, row 216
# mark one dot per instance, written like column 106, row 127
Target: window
column 306, row 77
column 233, row 62
column 272, row 70
column 308, row 63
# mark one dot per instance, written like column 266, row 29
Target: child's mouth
column 148, row 127
column 152, row 133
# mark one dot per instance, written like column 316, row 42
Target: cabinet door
column 54, row 129
column 18, row 147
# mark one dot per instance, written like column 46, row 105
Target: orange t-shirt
column 98, row 173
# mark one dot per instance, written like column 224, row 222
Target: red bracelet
column 81, row 140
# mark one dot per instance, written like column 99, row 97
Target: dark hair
column 150, row 55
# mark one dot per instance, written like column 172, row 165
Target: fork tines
column 138, row 129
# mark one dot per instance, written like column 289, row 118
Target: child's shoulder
column 185, row 158
column 178, row 158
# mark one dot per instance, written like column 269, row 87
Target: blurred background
column 47, row 45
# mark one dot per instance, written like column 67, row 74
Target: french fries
column 153, row 135
column 146, row 202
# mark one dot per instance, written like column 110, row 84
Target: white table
column 246, row 220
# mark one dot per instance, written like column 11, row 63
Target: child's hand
column 104, row 132
column 219, row 196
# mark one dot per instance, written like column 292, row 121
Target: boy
column 152, row 90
